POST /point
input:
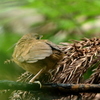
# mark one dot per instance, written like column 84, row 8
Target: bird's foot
column 38, row 82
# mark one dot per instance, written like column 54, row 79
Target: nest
column 80, row 64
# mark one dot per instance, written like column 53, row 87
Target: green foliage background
column 63, row 20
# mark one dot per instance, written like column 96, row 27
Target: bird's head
column 31, row 36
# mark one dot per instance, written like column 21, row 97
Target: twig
column 69, row 88
column 5, row 84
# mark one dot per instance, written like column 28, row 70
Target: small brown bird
column 35, row 55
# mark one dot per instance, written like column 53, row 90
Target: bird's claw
column 38, row 82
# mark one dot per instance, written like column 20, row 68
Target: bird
column 36, row 55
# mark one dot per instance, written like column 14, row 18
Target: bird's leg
column 50, row 73
column 36, row 76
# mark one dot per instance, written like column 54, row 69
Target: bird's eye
column 38, row 36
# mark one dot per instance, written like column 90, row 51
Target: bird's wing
column 52, row 45
column 36, row 51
